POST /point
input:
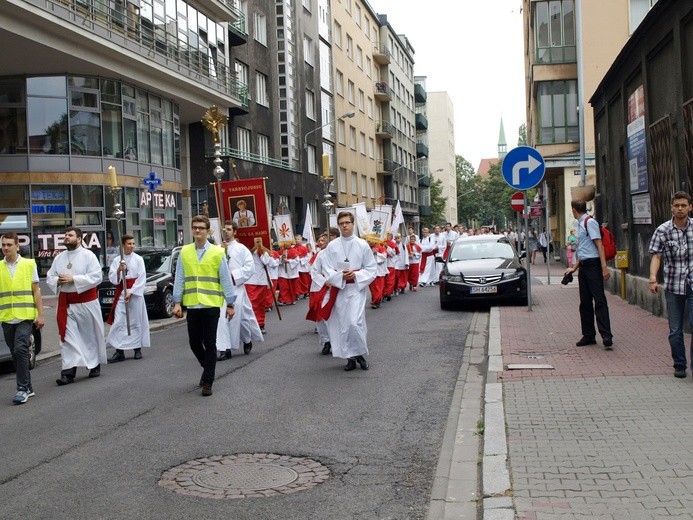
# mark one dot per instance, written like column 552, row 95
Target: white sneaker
column 23, row 395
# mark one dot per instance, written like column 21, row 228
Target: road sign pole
column 527, row 258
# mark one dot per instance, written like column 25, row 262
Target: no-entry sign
column 517, row 201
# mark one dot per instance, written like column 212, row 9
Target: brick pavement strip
column 606, row 434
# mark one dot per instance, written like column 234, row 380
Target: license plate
column 487, row 289
column 107, row 300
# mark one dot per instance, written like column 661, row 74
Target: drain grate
column 244, row 475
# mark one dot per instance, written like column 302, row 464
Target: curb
column 496, row 490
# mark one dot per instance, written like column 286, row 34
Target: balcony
column 421, row 122
column 381, row 54
column 387, row 166
column 217, row 10
column 424, row 181
column 384, row 130
column 120, row 35
column 238, row 30
column 421, row 149
column 420, row 95
column 383, row 92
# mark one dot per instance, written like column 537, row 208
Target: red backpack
column 608, row 241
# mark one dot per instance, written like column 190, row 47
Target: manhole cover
column 244, row 475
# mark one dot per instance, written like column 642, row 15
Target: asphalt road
column 97, row 448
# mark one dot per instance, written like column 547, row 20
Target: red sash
column 323, row 313
column 119, row 289
column 314, row 300
column 424, row 259
column 65, row 300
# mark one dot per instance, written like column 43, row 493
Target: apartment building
column 550, row 32
column 87, row 85
column 441, row 145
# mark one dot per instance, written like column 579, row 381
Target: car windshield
column 480, row 250
column 157, row 261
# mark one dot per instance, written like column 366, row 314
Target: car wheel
column 167, row 304
column 32, row 351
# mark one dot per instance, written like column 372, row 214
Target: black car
column 34, row 348
column 160, row 265
column 482, row 268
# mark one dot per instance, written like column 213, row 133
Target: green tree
column 437, row 205
column 522, row 135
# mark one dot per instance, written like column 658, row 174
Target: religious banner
column 386, row 208
column 397, row 219
column 284, row 230
column 377, row 226
column 245, row 202
column 308, row 233
column 361, row 219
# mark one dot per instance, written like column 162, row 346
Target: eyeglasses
column 199, row 228
column 344, row 223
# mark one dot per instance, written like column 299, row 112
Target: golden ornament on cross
column 214, row 121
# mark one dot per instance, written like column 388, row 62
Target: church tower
column 502, row 144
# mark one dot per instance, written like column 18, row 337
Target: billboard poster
column 637, row 143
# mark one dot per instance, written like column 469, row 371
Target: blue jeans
column 676, row 303
column 18, row 338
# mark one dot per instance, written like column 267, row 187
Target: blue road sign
column 152, row 182
column 523, row 167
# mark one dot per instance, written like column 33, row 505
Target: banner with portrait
column 245, row 202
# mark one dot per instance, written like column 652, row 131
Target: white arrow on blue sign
column 523, row 167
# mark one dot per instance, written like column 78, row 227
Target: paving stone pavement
column 607, row 434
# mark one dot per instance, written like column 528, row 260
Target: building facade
column 86, row 86
column 441, row 146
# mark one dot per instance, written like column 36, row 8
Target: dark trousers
column 18, row 338
column 592, row 289
column 202, row 335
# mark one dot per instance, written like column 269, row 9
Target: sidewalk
column 604, row 434
column 50, row 344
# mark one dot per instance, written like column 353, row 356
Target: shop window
column 14, row 222
column 87, row 196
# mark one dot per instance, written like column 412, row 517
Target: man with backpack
column 591, row 260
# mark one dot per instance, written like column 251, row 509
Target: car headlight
column 511, row 276
column 452, row 277
column 150, row 289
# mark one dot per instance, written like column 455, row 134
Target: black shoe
column 388, row 298
column 138, row 353
column 326, row 348
column 362, row 362
column 118, row 356
column 608, row 343
column 680, row 372
column 586, row 341
column 95, row 372
column 206, row 390
column 66, row 380
column 247, row 347
column 224, row 355
column 262, row 329
column 351, row 365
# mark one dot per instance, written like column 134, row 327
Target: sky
column 473, row 50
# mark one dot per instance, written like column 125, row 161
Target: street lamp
column 343, row 116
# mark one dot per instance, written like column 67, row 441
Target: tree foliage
column 522, row 135
column 437, row 205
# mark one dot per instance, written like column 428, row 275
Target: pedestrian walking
column 74, row 275
column 593, row 273
column 131, row 266
column 201, row 285
column 349, row 267
column 672, row 242
column 21, row 308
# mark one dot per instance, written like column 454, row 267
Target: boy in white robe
column 349, row 267
column 74, row 276
column 132, row 267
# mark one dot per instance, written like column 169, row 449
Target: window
column 354, row 183
column 369, row 106
column 372, row 193
column 369, row 67
column 263, row 145
column 260, row 28
column 337, row 35
column 347, row 6
column 555, row 31
column 352, row 138
column 342, row 180
column 341, row 131
column 243, row 135
column 310, row 105
column 261, row 89
column 350, row 91
column 638, row 11
column 350, row 48
column 357, row 15
column 306, row 4
column 310, row 151
column 364, row 185
column 362, row 101
column 371, row 147
column 359, row 57
column 362, row 143
column 308, row 53
column 242, row 72
column 558, row 119
column 366, row 27
column 339, row 83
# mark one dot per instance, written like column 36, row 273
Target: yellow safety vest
column 201, row 285
column 16, row 294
